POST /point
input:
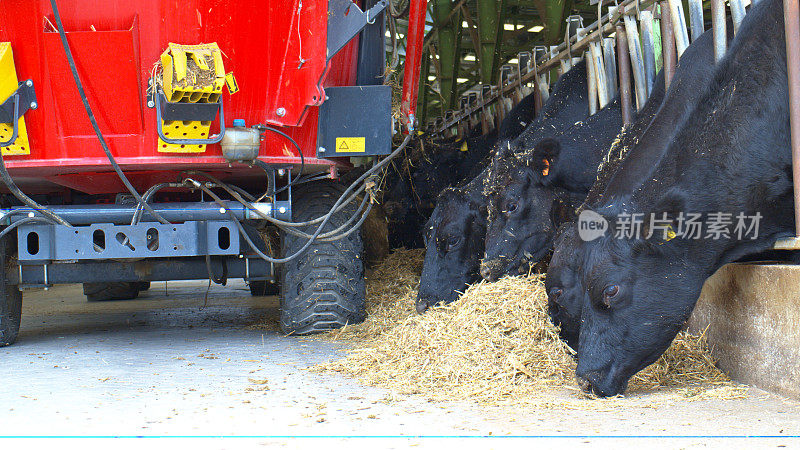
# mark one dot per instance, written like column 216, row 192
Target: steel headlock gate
column 623, row 45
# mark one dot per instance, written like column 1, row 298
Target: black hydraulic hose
column 17, row 192
column 280, row 223
column 148, row 194
column 297, row 146
column 353, row 228
column 333, row 234
column 326, row 218
column 92, row 119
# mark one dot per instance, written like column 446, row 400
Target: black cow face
column 637, row 297
column 564, row 286
column 520, row 228
column 454, row 238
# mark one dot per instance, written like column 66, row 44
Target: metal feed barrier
column 633, row 49
column 631, row 23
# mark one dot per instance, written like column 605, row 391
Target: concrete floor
column 166, row 364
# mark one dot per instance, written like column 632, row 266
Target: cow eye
column 511, row 207
column 555, row 293
column 609, row 293
column 452, row 242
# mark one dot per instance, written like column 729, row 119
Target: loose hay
column 495, row 345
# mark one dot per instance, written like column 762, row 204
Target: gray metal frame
column 45, row 242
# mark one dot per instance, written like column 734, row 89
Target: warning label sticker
column 351, row 145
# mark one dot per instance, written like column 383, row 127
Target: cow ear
column 661, row 223
column 545, row 156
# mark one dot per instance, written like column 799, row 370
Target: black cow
column 731, row 156
column 638, row 148
column 415, row 183
column 522, row 191
column 454, row 237
column 449, row 268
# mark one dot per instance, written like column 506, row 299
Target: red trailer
column 163, row 140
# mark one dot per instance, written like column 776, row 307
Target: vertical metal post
column 554, row 13
column 610, row 57
column 486, row 119
column 591, row 81
column 696, row 18
column 679, row 25
column 599, row 73
column 648, row 49
column 737, row 14
column 540, row 52
column 791, row 15
column 720, row 28
column 447, row 48
column 488, row 22
column 422, row 104
column 667, row 44
column 624, row 76
column 635, row 51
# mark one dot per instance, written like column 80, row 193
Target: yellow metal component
column 8, row 84
column 184, row 130
column 351, row 145
column 192, row 73
column 464, row 146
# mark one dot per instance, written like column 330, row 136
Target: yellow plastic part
column 230, row 80
column 184, row 130
column 180, row 79
column 8, row 84
column 192, row 74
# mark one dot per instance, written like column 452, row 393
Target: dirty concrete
column 175, row 363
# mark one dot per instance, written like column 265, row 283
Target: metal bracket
column 346, row 20
column 187, row 111
column 40, row 243
column 15, row 106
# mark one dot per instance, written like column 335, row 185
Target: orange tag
column 546, row 169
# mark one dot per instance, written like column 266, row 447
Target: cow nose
column 586, row 382
column 486, row 273
column 421, row 307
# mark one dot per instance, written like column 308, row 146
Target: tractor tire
column 323, row 289
column 101, row 292
column 10, row 299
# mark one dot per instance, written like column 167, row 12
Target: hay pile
column 495, row 345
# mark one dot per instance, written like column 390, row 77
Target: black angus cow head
column 454, row 239
column 524, row 211
column 637, row 293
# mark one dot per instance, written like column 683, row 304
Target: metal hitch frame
column 39, row 243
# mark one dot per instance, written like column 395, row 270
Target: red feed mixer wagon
column 201, row 139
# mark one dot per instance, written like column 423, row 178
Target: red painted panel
column 108, row 64
column 116, row 43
